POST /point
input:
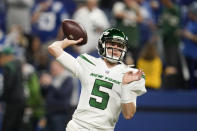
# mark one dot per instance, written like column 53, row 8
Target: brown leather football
column 73, row 31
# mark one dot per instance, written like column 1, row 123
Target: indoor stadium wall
column 163, row 111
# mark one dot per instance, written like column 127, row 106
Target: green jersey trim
column 143, row 76
column 86, row 59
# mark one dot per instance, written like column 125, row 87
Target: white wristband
column 127, row 95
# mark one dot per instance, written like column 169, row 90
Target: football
column 73, row 31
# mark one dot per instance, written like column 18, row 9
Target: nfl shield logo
column 107, row 71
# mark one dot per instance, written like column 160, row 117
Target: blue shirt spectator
column 46, row 19
column 2, row 38
column 190, row 48
column 2, row 15
column 70, row 6
column 148, row 23
column 190, row 44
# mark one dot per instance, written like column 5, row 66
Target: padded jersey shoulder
column 88, row 59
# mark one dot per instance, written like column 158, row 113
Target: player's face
column 114, row 48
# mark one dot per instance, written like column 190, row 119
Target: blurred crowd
column 38, row 94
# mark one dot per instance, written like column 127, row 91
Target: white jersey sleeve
column 70, row 63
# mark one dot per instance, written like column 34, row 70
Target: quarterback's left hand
column 131, row 76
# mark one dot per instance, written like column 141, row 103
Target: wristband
column 127, row 95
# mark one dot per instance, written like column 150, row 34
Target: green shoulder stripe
column 86, row 59
column 143, row 76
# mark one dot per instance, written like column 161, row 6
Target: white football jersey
column 100, row 99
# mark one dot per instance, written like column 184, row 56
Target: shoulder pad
column 88, row 58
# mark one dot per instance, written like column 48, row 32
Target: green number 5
column 96, row 92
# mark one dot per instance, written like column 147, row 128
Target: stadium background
column 163, row 109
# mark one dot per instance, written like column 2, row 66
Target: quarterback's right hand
column 72, row 42
column 56, row 49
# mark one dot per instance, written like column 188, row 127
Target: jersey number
column 96, row 92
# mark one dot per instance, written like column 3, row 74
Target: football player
column 108, row 85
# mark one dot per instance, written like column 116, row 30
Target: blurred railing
column 163, row 111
